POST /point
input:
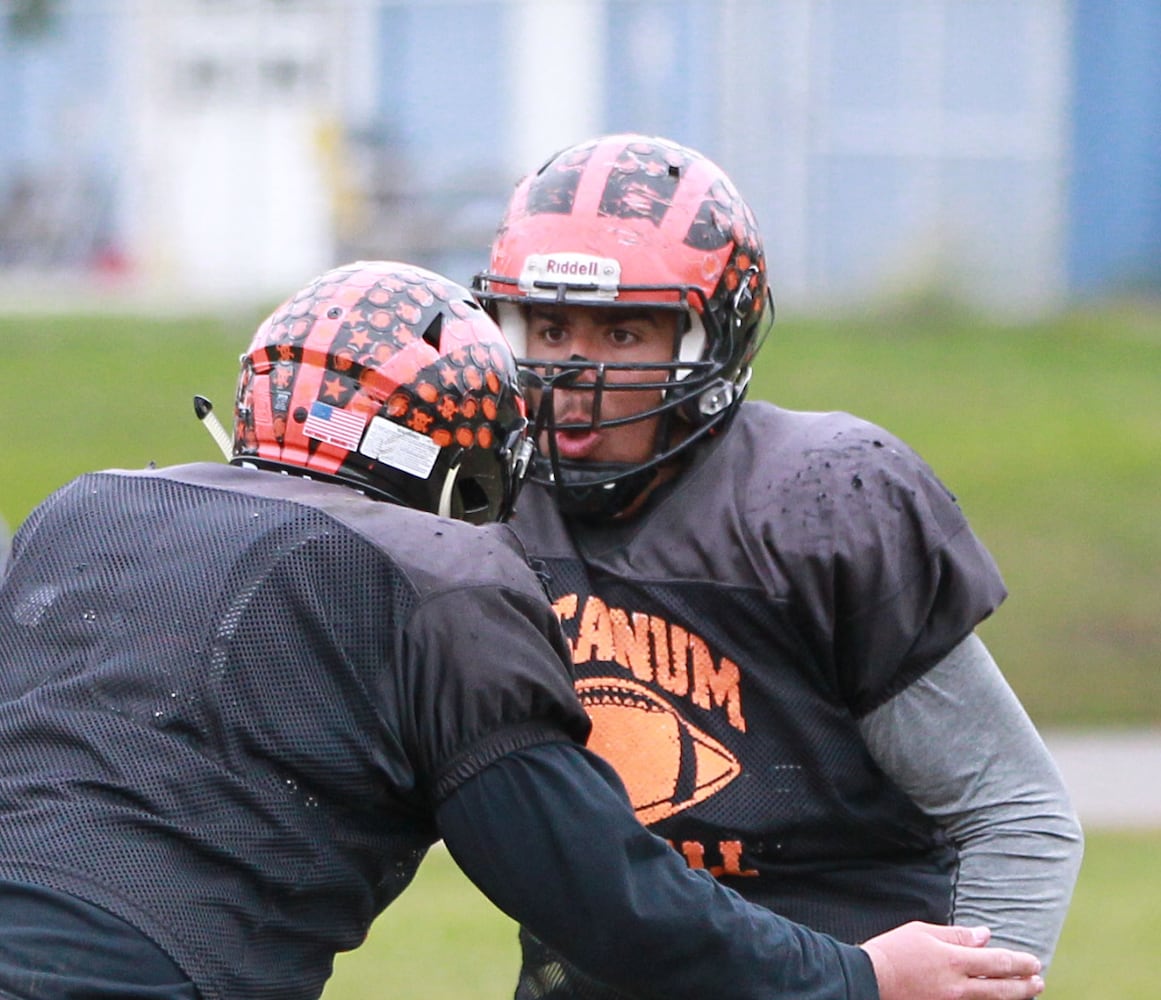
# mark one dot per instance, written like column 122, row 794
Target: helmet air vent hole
column 473, row 497
column 434, row 328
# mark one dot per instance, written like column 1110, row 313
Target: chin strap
column 204, row 411
column 584, row 489
column 445, row 494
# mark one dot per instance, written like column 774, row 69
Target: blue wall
column 663, row 76
column 1114, row 237
column 44, row 78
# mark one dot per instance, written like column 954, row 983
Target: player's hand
column 920, row 961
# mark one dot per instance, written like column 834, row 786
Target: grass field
column 1050, row 435
column 444, row 941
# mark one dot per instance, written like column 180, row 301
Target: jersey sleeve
column 549, row 836
column 889, row 572
column 918, row 580
column 486, row 671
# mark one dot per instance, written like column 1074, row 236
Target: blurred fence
column 227, row 148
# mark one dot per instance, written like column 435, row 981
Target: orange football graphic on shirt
column 666, row 763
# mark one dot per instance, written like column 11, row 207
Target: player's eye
column 551, row 335
column 622, row 337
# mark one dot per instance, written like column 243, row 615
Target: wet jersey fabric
column 257, row 763
column 727, row 641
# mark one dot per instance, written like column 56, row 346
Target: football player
column 772, row 613
column 239, row 702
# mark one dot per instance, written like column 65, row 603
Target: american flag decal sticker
column 334, row 426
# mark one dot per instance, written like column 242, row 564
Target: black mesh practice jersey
column 727, row 641
column 251, row 692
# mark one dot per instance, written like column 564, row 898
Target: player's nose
column 580, row 376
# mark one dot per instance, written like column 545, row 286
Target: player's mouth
column 576, row 445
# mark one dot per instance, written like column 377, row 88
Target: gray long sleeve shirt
column 960, row 744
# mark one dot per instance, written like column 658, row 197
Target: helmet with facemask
column 632, row 222
column 390, row 379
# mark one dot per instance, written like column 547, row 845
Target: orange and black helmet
column 632, row 221
column 391, row 379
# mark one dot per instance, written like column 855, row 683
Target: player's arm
column 548, row 834
column 960, row 744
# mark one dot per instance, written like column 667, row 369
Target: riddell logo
column 582, row 275
column 572, row 267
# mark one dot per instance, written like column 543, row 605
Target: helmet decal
column 554, row 188
column 642, row 182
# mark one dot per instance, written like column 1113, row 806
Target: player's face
column 644, row 336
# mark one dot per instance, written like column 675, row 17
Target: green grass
column 1109, row 943
column 81, row 393
column 443, row 941
column 1049, row 434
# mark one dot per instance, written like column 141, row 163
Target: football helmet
column 633, row 221
column 393, row 380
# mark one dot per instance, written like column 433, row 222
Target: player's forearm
column 1019, row 882
column 549, row 836
column 959, row 743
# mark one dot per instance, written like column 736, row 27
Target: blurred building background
column 1008, row 151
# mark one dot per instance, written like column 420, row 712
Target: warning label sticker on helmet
column 400, row 447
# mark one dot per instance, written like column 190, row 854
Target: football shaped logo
column 666, row 763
